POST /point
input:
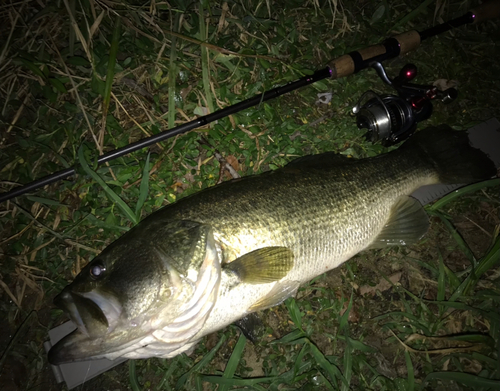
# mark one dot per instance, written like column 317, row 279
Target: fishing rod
column 343, row 66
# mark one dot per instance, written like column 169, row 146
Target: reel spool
column 391, row 119
column 388, row 118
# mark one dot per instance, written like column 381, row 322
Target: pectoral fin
column 280, row 292
column 407, row 224
column 262, row 266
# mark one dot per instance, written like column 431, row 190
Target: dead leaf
column 382, row 286
column 353, row 316
column 231, row 160
column 444, row 84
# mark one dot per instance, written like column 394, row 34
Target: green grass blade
column 290, row 376
column 291, row 337
column 492, row 315
column 202, row 363
column 416, row 322
column 331, row 370
column 111, row 194
column 234, row 360
column 236, row 382
column 464, row 190
column 489, row 260
column 458, row 238
column 345, row 316
column 294, row 312
column 205, row 60
column 357, row 345
column 172, row 74
column 198, row 383
column 473, row 338
column 485, row 264
column 45, row 201
column 32, row 67
column 163, row 384
column 143, row 190
column 452, row 278
column 475, row 382
column 347, row 363
column 115, row 40
column 441, row 293
column 134, row 383
column 411, row 373
column 101, row 224
column 488, row 360
column 300, row 359
column 72, row 34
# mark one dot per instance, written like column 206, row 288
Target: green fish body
column 208, row 260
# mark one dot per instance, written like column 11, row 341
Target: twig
column 131, row 118
column 223, row 163
column 478, row 226
column 82, row 246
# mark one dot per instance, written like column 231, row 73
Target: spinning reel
column 393, row 118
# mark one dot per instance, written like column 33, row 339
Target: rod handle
column 488, row 10
column 353, row 62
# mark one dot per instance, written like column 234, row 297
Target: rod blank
column 162, row 136
column 343, row 66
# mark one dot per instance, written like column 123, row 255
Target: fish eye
column 97, row 269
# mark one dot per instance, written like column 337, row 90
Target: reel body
column 391, row 119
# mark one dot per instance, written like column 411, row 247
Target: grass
column 80, row 78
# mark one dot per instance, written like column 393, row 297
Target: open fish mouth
column 93, row 314
column 95, row 317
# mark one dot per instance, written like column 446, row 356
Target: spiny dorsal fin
column 407, row 223
column 262, row 266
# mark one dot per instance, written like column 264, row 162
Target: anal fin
column 407, row 223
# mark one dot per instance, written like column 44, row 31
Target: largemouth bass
column 206, row 261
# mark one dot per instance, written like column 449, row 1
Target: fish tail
column 449, row 152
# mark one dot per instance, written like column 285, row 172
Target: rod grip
column 342, row 66
column 488, row 10
column 349, row 63
column 408, row 41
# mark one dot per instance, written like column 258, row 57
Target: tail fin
column 451, row 154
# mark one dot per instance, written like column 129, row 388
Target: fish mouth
column 95, row 316
column 88, row 311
